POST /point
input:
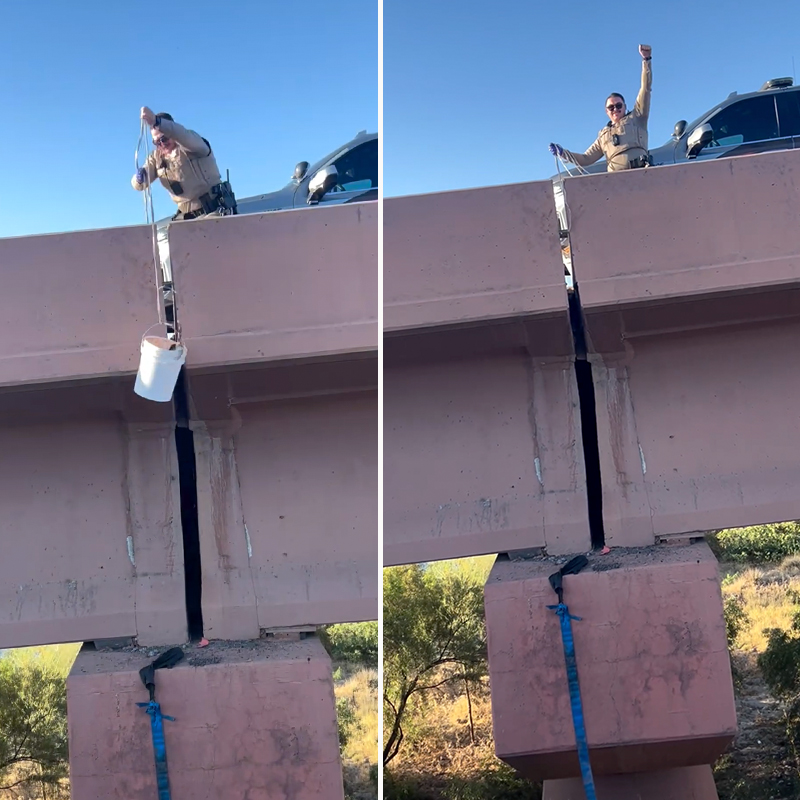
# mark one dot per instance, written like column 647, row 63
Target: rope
column 149, row 214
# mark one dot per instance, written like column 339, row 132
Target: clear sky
column 268, row 83
column 475, row 91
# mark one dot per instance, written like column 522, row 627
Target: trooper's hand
column 148, row 116
column 556, row 149
column 141, row 174
column 645, row 51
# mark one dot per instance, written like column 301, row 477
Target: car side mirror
column 698, row 139
column 680, row 128
column 300, row 170
column 323, row 181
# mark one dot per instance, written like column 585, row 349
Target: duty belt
column 219, row 197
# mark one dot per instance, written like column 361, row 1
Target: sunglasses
column 615, row 107
column 162, row 142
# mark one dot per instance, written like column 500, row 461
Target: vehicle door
column 789, row 115
column 744, row 127
column 358, row 175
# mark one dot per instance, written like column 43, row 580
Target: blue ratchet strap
column 148, row 676
column 573, row 567
column 159, row 747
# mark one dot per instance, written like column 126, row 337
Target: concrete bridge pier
column 687, row 783
column 253, row 719
column 653, row 668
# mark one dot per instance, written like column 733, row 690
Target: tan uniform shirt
column 631, row 132
column 186, row 174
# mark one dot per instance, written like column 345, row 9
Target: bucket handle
column 159, row 325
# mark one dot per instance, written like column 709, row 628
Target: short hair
column 164, row 115
column 613, row 94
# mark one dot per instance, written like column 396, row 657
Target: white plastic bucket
column 159, row 367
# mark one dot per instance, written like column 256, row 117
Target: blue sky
column 474, row 92
column 267, row 83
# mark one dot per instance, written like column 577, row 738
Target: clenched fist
column 645, row 51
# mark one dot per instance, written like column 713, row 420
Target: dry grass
column 448, row 756
column 357, row 693
column 767, row 596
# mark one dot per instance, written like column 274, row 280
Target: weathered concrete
column 256, row 720
column 287, row 468
column 692, row 338
column 481, row 254
column 75, row 305
column 91, row 523
column 687, row 783
column 283, row 285
column 482, row 436
column 652, row 662
column 279, row 313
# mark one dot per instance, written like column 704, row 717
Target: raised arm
column 191, row 141
column 642, row 107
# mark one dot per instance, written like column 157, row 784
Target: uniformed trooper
column 623, row 141
column 184, row 164
column 186, row 167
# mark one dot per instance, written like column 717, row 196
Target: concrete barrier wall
column 481, row 254
column 263, row 287
column 686, row 230
column 75, row 305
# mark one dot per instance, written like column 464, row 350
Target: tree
column 33, row 719
column 433, row 634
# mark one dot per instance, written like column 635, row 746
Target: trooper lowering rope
column 166, row 660
column 623, row 141
column 186, row 167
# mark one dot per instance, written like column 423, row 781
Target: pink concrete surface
column 692, row 337
column 693, row 438
column 481, row 455
column 84, row 470
column 652, row 661
column 287, row 463
column 75, row 305
column 256, row 721
column 465, row 256
column 679, row 231
column 262, row 287
column 687, row 783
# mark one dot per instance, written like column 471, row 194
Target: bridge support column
column 687, row 783
column 652, row 662
column 253, row 719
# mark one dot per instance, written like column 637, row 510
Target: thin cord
column 149, row 215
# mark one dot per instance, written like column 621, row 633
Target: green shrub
column 780, row 663
column 761, row 544
column 353, row 642
column 346, row 718
column 735, row 618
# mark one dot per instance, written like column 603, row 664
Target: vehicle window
column 789, row 113
column 358, row 168
column 749, row 120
